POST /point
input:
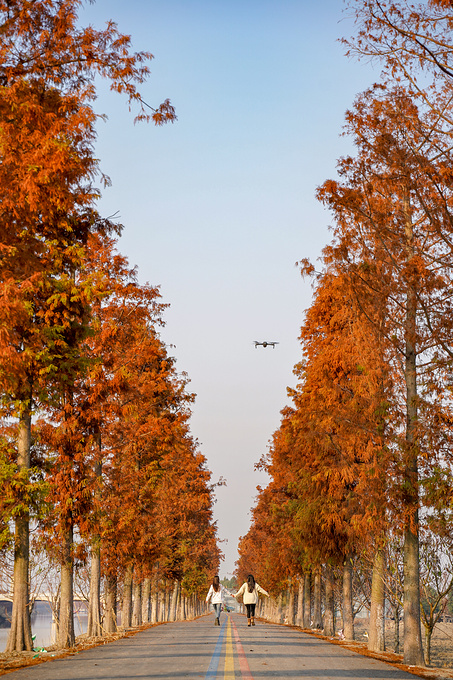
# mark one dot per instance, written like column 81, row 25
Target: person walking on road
column 249, row 591
column 216, row 594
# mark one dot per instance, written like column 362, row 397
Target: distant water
column 43, row 628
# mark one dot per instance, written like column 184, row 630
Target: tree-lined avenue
column 188, row 650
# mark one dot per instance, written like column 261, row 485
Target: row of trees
column 96, row 455
column 318, row 598
column 364, row 455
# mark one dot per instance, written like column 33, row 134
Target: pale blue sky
column 218, row 207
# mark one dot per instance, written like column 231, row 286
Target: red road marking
column 243, row 663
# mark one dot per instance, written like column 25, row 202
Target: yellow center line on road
column 229, row 654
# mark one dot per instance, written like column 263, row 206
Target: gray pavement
column 198, row 649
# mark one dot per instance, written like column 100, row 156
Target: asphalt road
column 198, row 649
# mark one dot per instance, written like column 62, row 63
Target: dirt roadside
column 16, row 660
column 430, row 673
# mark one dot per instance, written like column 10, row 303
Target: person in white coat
column 216, row 596
column 249, row 591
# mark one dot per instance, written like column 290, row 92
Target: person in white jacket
column 249, row 591
column 216, row 595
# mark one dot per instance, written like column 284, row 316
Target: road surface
column 198, row 649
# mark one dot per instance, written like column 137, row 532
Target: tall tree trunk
column 137, row 607
column 183, row 608
column 110, row 615
column 94, row 628
column 271, row 610
column 348, row 612
column 291, row 604
column 329, row 613
column 19, row 638
column 376, row 634
column 190, row 609
column 428, row 635
column 317, row 598
column 280, row 608
column 168, row 600
column 174, row 601
column 163, row 602
column 66, row 636
column 306, row 623
column 413, row 649
column 300, row 602
column 146, row 592
column 155, row 600
column 396, row 639
column 126, row 616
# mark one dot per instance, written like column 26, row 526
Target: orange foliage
column 413, row 42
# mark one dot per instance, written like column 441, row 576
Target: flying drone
column 265, row 343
